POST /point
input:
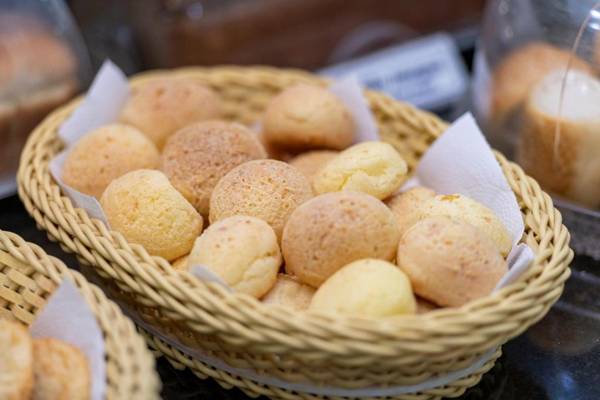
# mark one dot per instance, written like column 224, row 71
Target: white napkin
column 68, row 317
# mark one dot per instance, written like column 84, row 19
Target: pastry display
column 196, row 157
column 144, row 207
column 16, row 361
column 311, row 162
column 106, row 154
column 375, row 168
column 406, row 206
column 241, row 250
column 366, row 288
column 334, row 229
column 160, row 108
column 289, row 292
column 266, row 189
column 305, row 117
column 450, row 262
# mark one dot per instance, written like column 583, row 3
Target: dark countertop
column 559, row 358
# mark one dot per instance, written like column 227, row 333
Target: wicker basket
column 323, row 351
column 28, row 276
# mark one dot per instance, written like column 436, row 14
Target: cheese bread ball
column 424, row 306
column 472, row 212
column 16, row 361
column 144, row 207
column 60, row 370
column 105, row 154
column 334, row 229
column 267, row 189
column 375, row 168
column 449, row 262
column 181, row 264
column 305, row 117
column 366, row 288
column 197, row 156
column 160, row 108
column 406, row 206
column 243, row 251
column 311, row 162
column 289, row 292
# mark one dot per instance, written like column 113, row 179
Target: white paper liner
column 68, row 317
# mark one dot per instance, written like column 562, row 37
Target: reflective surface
column 559, row 358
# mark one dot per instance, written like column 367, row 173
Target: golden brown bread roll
column 311, row 162
column 16, row 361
column 406, row 206
column 289, row 292
column 305, row 117
column 196, row 157
column 334, row 229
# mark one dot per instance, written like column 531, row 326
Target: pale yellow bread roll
column 449, row 262
column 61, row 371
column 289, row 292
column 516, row 75
column 196, row 157
column 146, row 209
column 267, row 189
column 311, row 162
column 243, row 251
column 406, row 206
column 375, row 168
column 334, row 229
column 565, row 161
column 160, row 108
column 105, row 154
column 305, row 117
column 16, row 361
column 366, row 288
column 472, row 212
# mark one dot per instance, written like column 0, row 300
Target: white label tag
column 428, row 72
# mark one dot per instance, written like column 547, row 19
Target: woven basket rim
column 183, row 287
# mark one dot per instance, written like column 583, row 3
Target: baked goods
column 366, row 288
column 144, row 207
column 266, row 189
column 375, row 168
column 289, row 292
column 16, row 361
column 406, row 206
column 449, row 262
column 104, row 155
column 564, row 161
column 181, row 264
column 197, row 156
column 424, row 306
column 60, row 370
column 305, row 117
column 160, row 108
column 243, row 251
column 472, row 212
column 311, row 162
column 517, row 74
column 334, row 229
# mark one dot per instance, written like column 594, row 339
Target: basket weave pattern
column 28, row 276
column 321, row 349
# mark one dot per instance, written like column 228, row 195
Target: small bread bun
column 406, row 206
column 266, row 189
column 334, row 229
column 424, row 306
column 197, row 156
column 144, row 207
column 242, row 251
column 311, row 162
column 60, row 371
column 366, row 288
column 517, row 74
column 160, row 108
column 305, row 117
column 105, row 154
column 472, row 212
column 375, row 168
column 181, row 264
column 16, row 361
column 290, row 293
column 566, row 162
column 449, row 262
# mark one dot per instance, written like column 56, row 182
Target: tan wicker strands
column 28, row 276
column 312, row 348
